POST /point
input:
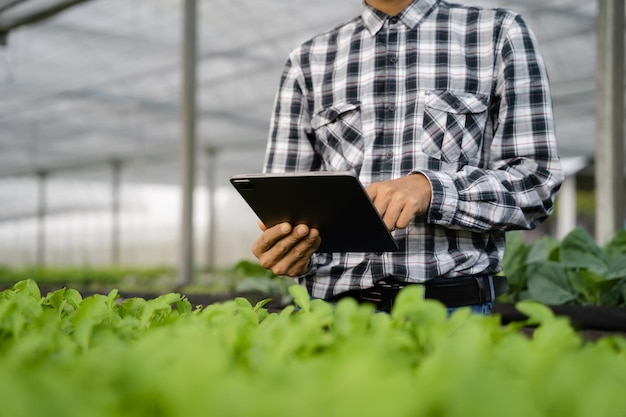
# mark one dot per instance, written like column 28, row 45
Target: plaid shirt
column 457, row 93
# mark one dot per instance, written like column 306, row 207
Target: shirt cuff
column 311, row 269
column 444, row 201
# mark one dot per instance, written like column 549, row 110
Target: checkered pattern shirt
column 457, row 93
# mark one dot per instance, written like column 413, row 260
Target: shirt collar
column 412, row 16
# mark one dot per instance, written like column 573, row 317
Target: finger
column 269, row 238
column 299, row 233
column 299, row 257
column 275, row 243
column 405, row 218
column 293, row 259
column 371, row 190
column 262, row 225
column 392, row 215
column 375, row 192
column 307, row 247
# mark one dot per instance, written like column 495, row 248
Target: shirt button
column 393, row 59
column 438, row 216
column 456, row 104
column 391, row 107
column 389, row 154
column 394, row 20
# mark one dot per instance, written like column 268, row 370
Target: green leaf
column 579, row 250
column 184, row 306
column 28, row 287
column 56, row 299
column 158, row 309
column 300, row 296
column 167, row 300
column 544, row 250
column 258, row 306
column 73, row 297
column 111, row 298
column 92, row 311
column 617, row 265
column 248, row 268
column 618, row 243
column 515, row 254
column 243, row 302
column 548, row 283
column 595, row 289
column 611, row 293
column 536, row 312
column 584, row 282
column 514, row 266
column 132, row 307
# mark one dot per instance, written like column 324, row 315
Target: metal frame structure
column 609, row 161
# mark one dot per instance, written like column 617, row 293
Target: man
column 444, row 113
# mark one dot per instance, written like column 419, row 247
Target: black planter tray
column 610, row 319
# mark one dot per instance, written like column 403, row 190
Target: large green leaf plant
column 574, row 271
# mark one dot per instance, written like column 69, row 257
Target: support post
column 211, row 231
column 116, row 173
column 186, row 266
column 42, row 210
column 566, row 219
column 609, row 162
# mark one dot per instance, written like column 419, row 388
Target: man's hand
column 286, row 250
column 400, row 200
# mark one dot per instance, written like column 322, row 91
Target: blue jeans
column 482, row 309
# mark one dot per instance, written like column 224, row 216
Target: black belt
column 453, row 292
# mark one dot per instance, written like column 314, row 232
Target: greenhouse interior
column 128, row 286
column 95, row 122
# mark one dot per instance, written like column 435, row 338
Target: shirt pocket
column 340, row 138
column 454, row 125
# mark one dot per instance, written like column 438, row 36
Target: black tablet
column 335, row 203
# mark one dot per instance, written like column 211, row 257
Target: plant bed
column 589, row 321
column 62, row 354
column 586, row 319
column 612, row 319
column 582, row 318
column 196, row 299
column 203, row 300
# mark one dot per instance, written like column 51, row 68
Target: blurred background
column 96, row 131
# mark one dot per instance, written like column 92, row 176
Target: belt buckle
column 372, row 296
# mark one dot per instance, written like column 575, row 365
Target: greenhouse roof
column 101, row 81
